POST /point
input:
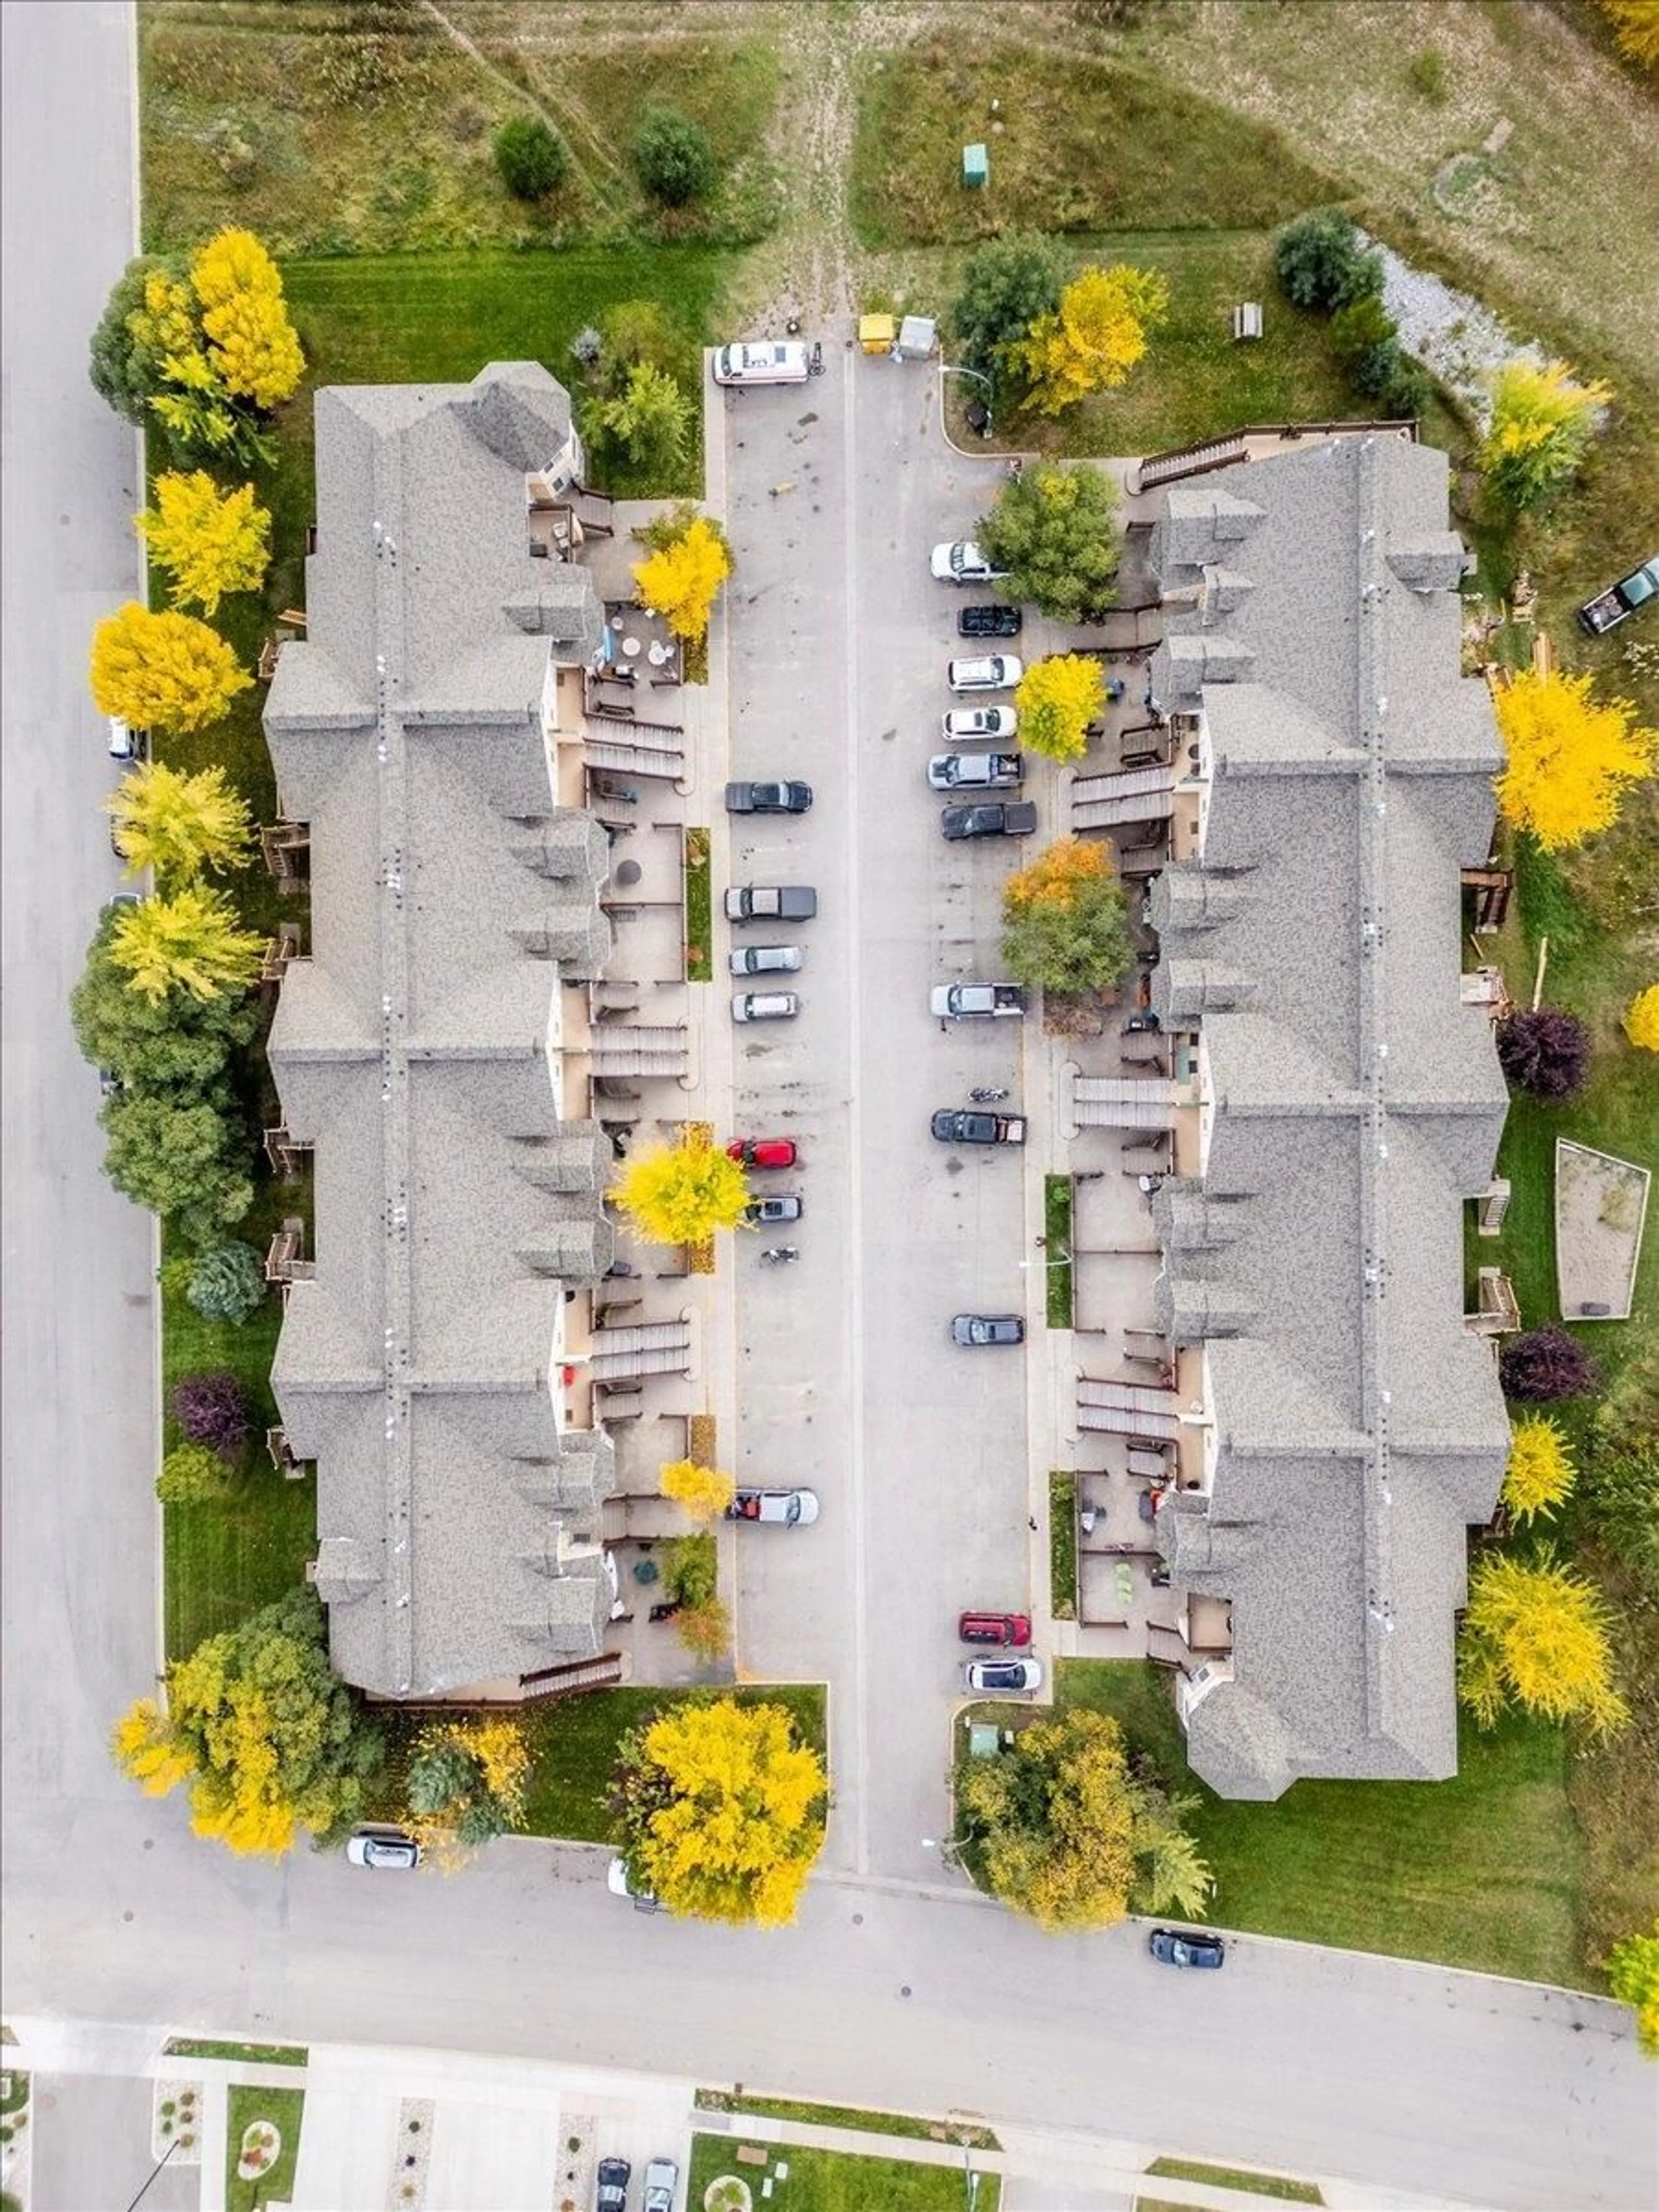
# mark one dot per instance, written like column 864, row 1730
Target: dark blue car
column 1178, row 1947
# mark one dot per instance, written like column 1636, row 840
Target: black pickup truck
column 1000, row 818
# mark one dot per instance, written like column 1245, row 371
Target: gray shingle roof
column 451, row 898
column 1355, row 1105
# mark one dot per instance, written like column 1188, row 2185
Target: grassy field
column 1236, row 2177
column 334, row 128
column 845, row 2116
column 1484, row 1871
column 832, row 2181
column 282, row 2109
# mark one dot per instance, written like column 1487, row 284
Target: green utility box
column 975, row 165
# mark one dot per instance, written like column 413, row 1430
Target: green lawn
column 1484, row 1871
column 249, row 2054
column 833, row 2181
column 845, row 2116
column 1235, row 2176
column 699, row 908
column 281, row 2109
column 1057, row 1248
column 1062, row 1543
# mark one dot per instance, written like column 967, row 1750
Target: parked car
column 976, row 771
column 761, row 360
column 963, row 1125
column 996, row 818
column 1004, row 1628
column 791, row 1509
column 764, row 1006
column 766, row 960
column 771, row 903
column 618, row 1881
column 990, row 621
column 611, row 2194
column 964, row 563
column 662, row 2179
column 383, row 1849
column 790, row 797
column 109, row 1083
column 968, row 1002
column 982, row 1674
column 787, row 1206
column 987, row 1329
column 126, row 743
column 764, row 1151
column 965, row 723
column 990, row 671
column 1180, row 1947
column 1609, row 608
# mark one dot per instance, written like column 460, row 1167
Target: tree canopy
column 650, row 419
column 1540, row 1471
column 682, row 1193
column 1054, row 528
column 531, row 157
column 674, row 160
column 1545, row 1050
column 1320, row 262
column 1064, row 925
column 722, row 1810
column 163, row 671
column 1542, row 422
column 703, row 1492
column 682, row 579
column 467, row 1784
column 208, row 542
column 1541, row 1364
column 1093, row 338
column 1633, row 1965
column 268, row 1738
column 178, row 823
column 190, row 940
column 1058, row 698
column 1536, row 1634
column 1570, row 757
column 194, row 1475
column 175, row 1040
column 227, row 1283
column 250, row 340
column 1007, row 284
column 186, row 1161
column 1636, row 29
column 1641, row 1023
column 1067, row 1832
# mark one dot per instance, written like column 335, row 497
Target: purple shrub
column 1545, row 1051
column 212, row 1409
column 1545, row 1364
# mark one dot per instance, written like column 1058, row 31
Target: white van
column 124, row 743
column 761, row 361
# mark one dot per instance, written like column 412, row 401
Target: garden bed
column 262, row 2146
column 1601, row 1205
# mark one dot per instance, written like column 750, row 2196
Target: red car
column 763, row 1151
column 994, row 1628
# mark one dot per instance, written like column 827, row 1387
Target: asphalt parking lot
column 847, row 1382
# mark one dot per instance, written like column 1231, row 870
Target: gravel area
column 1450, row 332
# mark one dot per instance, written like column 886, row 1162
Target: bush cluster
column 1321, row 264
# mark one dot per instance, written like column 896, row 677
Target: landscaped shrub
column 1544, row 1051
column 227, row 1283
column 193, row 1475
column 1322, row 264
column 690, row 1570
column 212, row 1409
column 531, row 157
column 1544, row 1363
column 1427, row 74
column 674, row 160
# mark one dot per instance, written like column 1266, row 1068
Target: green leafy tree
column 1064, row 1831
column 178, row 823
column 189, row 1163
column 194, row 1475
column 227, row 1283
column 190, row 941
column 1054, row 530
column 642, row 332
column 1008, row 284
column 690, row 1569
column 466, row 1783
column 531, row 157
column 126, row 366
column 674, row 160
column 1633, row 1966
column 1063, row 920
column 1322, row 264
column 680, row 1194
column 176, row 1040
column 1542, row 422
column 650, row 421
column 1537, row 1635
column 721, row 1807
column 270, row 1739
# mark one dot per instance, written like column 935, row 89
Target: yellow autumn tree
column 251, row 341
column 722, row 1807
column 1542, row 421
column 682, row 1193
column 1096, row 336
column 1058, row 698
column 1642, row 1019
column 467, row 1784
column 209, row 543
column 1541, row 1473
column 682, row 579
column 190, row 940
column 1569, row 757
column 1633, row 1978
column 703, row 1492
column 1537, row 1635
column 149, row 1750
column 178, row 824
column 163, row 671
column 1636, row 29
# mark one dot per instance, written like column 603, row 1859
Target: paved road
column 78, row 1402
column 839, row 638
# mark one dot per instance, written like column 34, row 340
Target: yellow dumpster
column 878, row 333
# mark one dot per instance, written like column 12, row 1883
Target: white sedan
column 964, row 563
column 979, row 722
column 989, row 672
